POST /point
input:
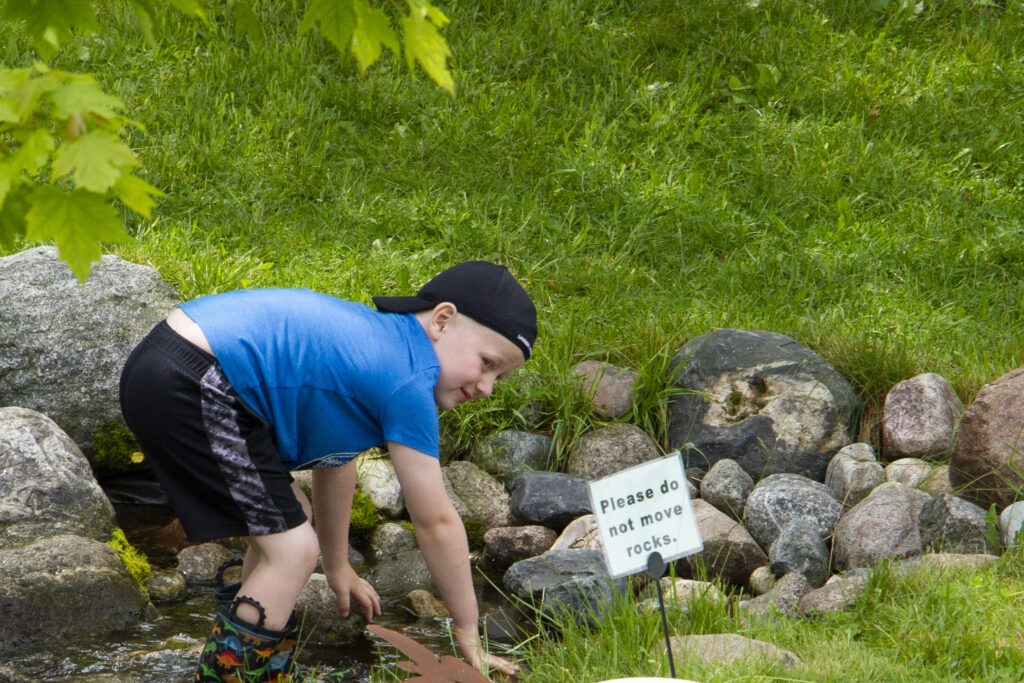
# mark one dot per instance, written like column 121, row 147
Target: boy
column 234, row 390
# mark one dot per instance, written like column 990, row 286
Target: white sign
column 643, row 510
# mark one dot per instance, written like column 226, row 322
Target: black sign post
column 655, row 570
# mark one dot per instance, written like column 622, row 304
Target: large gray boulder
column 730, row 553
column 550, row 499
column 954, row 525
column 761, row 399
column 919, row 418
column 62, row 344
column 726, row 486
column 46, row 485
column 565, row 584
column 483, row 499
column 882, row 526
column 799, row 549
column 61, row 588
column 853, row 473
column 782, row 498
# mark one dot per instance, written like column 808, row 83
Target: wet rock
column 781, row 498
column 783, row 598
column 987, row 463
column 425, row 605
column 609, row 450
column 509, row 453
column 726, row 486
column 1010, row 521
column 61, row 588
column 507, row 626
column 54, row 491
column 199, row 563
column 549, row 499
column 401, row 574
column 321, row 623
column 485, row 499
column 838, row 593
column 581, row 534
column 919, row 418
column 954, row 525
column 62, row 345
column 507, row 545
column 391, row 538
column 377, row 479
column 610, row 387
column 853, row 473
column 775, row 406
column 166, row 586
column 799, row 549
column 730, row 553
column 882, row 526
column 565, row 583
column 723, row 649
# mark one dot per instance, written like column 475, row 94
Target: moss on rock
column 134, row 560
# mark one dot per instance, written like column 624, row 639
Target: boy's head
column 483, row 291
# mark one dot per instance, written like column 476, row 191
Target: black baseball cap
column 484, row 291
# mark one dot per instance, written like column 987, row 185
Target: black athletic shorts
column 215, row 458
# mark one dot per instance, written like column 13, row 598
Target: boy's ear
column 441, row 317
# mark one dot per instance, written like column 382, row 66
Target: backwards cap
column 484, row 291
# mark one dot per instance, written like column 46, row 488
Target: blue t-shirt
column 331, row 377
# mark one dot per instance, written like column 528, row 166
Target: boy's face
column 472, row 357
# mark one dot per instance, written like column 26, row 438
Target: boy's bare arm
column 442, row 539
column 333, row 489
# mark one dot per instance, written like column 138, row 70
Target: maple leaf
column 50, row 22
column 337, row 21
column 31, row 155
column 371, row 35
column 136, row 193
column 12, row 215
column 84, row 96
column 425, row 663
column 77, row 222
column 97, row 158
column 424, row 43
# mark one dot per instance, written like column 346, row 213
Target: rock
column 910, row 472
column 10, row 675
column 424, row 605
column 401, row 574
column 948, row 561
column 761, row 580
column 581, row 534
column 986, row 463
column 853, row 473
column 199, row 563
column 937, row 481
column 1010, row 521
column 549, row 499
column 507, row 545
column 377, row 479
column 730, row 553
column 507, row 626
column 726, row 486
column 62, row 588
column 609, row 450
column 919, row 418
column 783, row 598
column 485, row 498
column 166, row 586
column 723, row 649
column 391, row 538
column 782, row 498
column 321, row 623
column 799, row 549
column 610, row 387
column 46, row 485
column 954, row 525
column 775, row 406
column 838, row 593
column 509, row 453
column 884, row 525
column 681, row 594
column 62, row 344
column 565, row 584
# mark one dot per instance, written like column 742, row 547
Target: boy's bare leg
column 251, row 556
column 276, row 568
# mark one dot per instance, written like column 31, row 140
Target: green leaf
column 247, row 24
column 77, row 222
column 5, row 182
column 12, row 215
column 372, row 34
column 97, row 158
column 146, row 15
column 50, row 22
column 136, row 193
column 424, row 44
column 192, row 8
column 24, row 99
column 337, row 21
column 84, row 97
column 7, row 113
column 31, row 155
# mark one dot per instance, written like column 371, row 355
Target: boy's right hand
column 349, row 587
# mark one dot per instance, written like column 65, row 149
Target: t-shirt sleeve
column 409, row 415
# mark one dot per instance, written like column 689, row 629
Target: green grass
column 925, row 625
